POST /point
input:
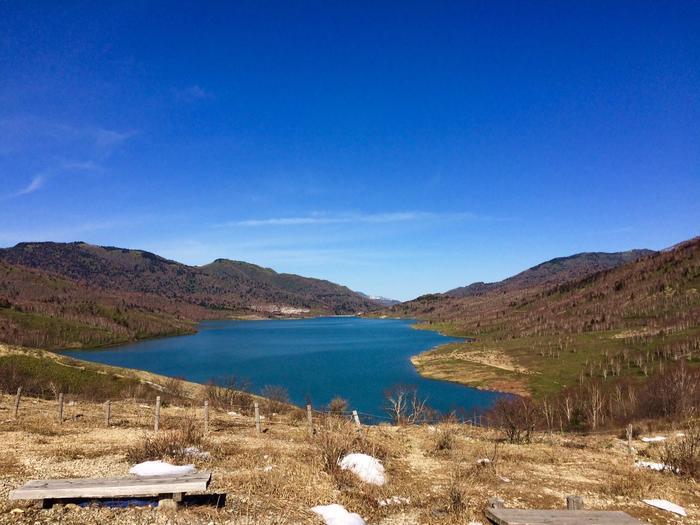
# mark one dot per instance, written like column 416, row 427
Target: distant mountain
column 554, row 271
column 657, row 291
column 384, row 301
column 113, row 293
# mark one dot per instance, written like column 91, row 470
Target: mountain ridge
column 555, row 271
column 82, row 290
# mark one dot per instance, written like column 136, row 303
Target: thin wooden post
column 108, row 412
column 356, row 418
column 310, row 420
column 19, row 396
column 206, row 417
column 257, row 417
column 574, row 503
column 630, row 450
column 60, row 408
column 156, row 424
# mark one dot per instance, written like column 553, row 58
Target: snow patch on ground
column 394, row 500
column 160, row 468
column 337, row 515
column 654, row 439
column 365, row 467
column 666, row 505
column 196, row 453
column 651, row 465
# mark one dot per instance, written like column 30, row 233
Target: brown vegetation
column 54, row 295
column 277, row 476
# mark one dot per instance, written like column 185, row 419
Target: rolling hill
column 554, row 271
column 72, row 294
column 538, row 337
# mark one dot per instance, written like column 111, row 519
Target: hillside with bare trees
column 542, row 338
column 54, row 295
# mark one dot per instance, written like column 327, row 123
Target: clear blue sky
column 399, row 148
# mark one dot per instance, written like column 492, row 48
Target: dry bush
column 277, row 398
column 406, row 407
column 167, row 443
column 516, row 418
column 683, row 454
column 635, row 484
column 337, row 437
column 457, row 494
column 337, row 406
column 444, row 440
column 229, row 392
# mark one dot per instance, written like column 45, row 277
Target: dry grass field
column 276, row 476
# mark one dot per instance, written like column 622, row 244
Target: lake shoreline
column 419, row 363
column 416, row 360
column 326, row 358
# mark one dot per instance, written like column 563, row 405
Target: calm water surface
column 314, row 359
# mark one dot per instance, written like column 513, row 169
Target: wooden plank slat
column 559, row 517
column 112, row 487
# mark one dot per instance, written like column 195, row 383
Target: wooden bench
column 499, row 515
column 173, row 487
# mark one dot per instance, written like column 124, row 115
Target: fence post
column 257, row 417
column 356, row 418
column 60, row 408
column 206, row 416
column 19, row 395
column 108, row 412
column 629, row 439
column 574, row 503
column 156, row 424
column 310, row 420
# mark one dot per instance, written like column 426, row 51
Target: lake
column 314, row 359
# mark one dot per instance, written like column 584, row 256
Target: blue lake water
column 314, row 359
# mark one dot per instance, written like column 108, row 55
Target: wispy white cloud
column 61, row 148
column 36, row 183
column 357, row 218
column 27, row 134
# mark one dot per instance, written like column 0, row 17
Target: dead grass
column 167, row 443
column 277, row 476
column 683, row 454
column 9, row 463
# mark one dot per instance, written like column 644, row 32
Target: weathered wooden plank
column 112, row 487
column 559, row 517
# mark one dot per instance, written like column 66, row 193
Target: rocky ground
column 433, row 473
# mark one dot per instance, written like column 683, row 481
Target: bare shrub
column 277, row 398
column 635, row 484
column 683, row 454
column 337, row 406
column 167, row 443
column 444, row 440
column 229, row 392
column 405, row 407
column 516, row 418
column 174, row 387
column 457, row 491
column 338, row 437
